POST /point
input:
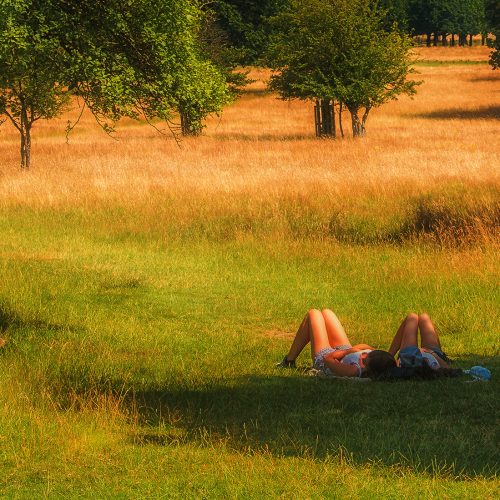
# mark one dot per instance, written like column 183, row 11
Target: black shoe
column 286, row 363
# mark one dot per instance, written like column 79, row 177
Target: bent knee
column 424, row 317
column 313, row 312
column 412, row 317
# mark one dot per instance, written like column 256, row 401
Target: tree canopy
column 244, row 21
column 136, row 59
column 31, row 68
column 493, row 17
column 339, row 50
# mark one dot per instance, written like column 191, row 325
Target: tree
column 444, row 17
column 30, row 70
column 397, row 13
column 493, row 23
column 244, row 23
column 338, row 50
column 140, row 59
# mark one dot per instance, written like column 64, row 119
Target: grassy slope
column 144, row 312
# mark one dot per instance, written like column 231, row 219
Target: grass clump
column 455, row 220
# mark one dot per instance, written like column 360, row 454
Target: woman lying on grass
column 406, row 342
column 333, row 354
column 331, row 350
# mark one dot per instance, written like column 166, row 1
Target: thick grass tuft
column 454, row 220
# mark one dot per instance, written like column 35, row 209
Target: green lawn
column 140, row 363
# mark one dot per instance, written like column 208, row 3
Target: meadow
column 149, row 286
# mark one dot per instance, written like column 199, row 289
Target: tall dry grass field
column 264, row 149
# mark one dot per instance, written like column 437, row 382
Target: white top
column 353, row 358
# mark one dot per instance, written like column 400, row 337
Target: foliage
column 438, row 16
column 493, row 20
column 397, row 12
column 31, row 65
column 339, row 50
column 140, row 59
column 244, row 23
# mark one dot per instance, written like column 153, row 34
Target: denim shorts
column 411, row 356
column 319, row 359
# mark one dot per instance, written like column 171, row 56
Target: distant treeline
column 439, row 21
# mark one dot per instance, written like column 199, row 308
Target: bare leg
column 398, row 338
column 428, row 335
column 334, row 329
column 409, row 331
column 312, row 329
column 302, row 338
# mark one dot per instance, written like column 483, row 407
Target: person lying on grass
column 333, row 353
column 406, row 342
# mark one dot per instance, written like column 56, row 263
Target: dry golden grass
column 440, row 53
column 264, row 149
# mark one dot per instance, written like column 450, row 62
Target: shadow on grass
column 264, row 137
column 491, row 78
column 9, row 319
column 256, row 92
column 483, row 113
column 445, row 427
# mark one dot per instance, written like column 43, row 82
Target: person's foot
column 286, row 363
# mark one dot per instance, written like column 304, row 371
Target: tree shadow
column 264, row 137
column 446, row 426
column 256, row 92
column 491, row 78
column 11, row 320
column 483, row 113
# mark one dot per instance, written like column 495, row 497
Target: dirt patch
column 278, row 334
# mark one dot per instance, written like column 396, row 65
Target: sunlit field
column 148, row 286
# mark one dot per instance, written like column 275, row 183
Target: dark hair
column 424, row 372
column 378, row 362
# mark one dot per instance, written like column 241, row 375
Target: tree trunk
column 324, row 118
column 453, row 40
column 26, row 147
column 470, row 40
column 428, row 41
column 340, row 120
column 358, row 126
column 25, row 131
column 365, row 117
column 188, row 127
column 327, row 112
column 444, row 40
column 435, row 41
